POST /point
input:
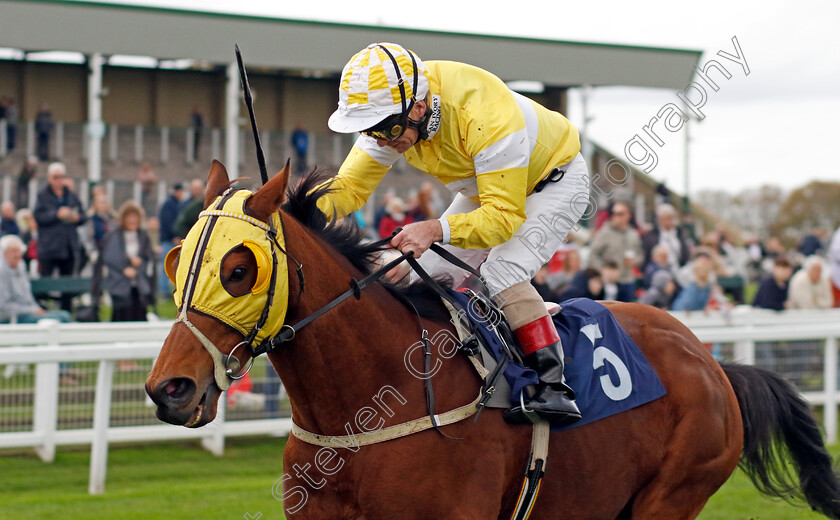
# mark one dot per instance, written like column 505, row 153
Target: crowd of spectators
column 119, row 251
column 665, row 264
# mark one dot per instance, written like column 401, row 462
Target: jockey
column 515, row 167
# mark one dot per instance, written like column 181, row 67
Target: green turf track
column 182, row 481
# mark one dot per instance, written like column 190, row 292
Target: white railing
column 48, row 344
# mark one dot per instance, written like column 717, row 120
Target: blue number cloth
column 604, row 366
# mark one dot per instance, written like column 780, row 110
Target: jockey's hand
column 418, row 236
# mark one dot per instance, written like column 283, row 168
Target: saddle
column 491, row 358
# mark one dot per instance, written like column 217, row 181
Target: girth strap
column 389, row 433
column 534, row 471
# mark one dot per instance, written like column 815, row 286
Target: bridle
column 227, row 367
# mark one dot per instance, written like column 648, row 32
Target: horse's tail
column 778, row 429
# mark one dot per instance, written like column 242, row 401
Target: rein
column 288, row 332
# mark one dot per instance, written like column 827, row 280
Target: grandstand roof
column 87, row 27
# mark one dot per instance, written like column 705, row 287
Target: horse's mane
column 347, row 238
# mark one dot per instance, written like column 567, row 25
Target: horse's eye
column 238, row 273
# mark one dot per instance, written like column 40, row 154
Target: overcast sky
column 777, row 125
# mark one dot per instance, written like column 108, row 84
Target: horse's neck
column 354, row 357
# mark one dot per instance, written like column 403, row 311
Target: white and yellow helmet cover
column 221, row 229
column 369, row 90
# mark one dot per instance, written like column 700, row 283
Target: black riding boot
column 554, row 400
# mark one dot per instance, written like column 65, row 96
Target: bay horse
column 346, row 372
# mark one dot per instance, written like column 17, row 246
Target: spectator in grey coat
column 661, row 290
column 16, row 300
column 617, row 241
column 127, row 253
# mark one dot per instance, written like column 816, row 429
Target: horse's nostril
column 178, row 389
column 172, row 387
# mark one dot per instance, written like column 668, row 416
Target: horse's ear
column 267, row 200
column 217, row 182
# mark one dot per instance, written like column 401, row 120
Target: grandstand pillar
column 95, row 127
column 232, row 121
column 585, row 144
column 686, row 160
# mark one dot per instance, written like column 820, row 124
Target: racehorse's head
column 231, row 289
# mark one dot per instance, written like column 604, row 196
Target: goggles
column 392, row 127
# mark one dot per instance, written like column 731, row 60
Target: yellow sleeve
column 358, row 176
column 496, row 138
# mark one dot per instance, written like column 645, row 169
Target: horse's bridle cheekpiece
column 220, row 229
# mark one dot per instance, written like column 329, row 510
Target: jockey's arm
column 358, row 176
column 498, row 143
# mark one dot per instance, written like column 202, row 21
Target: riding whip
column 249, row 102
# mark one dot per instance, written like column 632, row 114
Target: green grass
column 182, row 481
column 739, row 500
column 146, row 482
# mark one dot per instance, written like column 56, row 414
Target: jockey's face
column 410, row 136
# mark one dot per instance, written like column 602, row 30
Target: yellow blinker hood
column 198, row 280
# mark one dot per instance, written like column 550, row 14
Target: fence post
column 215, row 442
column 745, row 352
column 830, row 386
column 190, row 145
column 30, row 138
column 311, row 152
column 33, row 192
column 138, row 144
column 85, row 138
column 84, row 193
column 265, row 140
column 46, row 397
column 3, row 136
column 215, row 143
column 337, row 151
column 164, row 145
column 113, row 137
column 242, row 137
column 59, row 140
column 109, row 191
column 7, row 188
column 101, row 420
column 161, row 192
column 137, row 192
